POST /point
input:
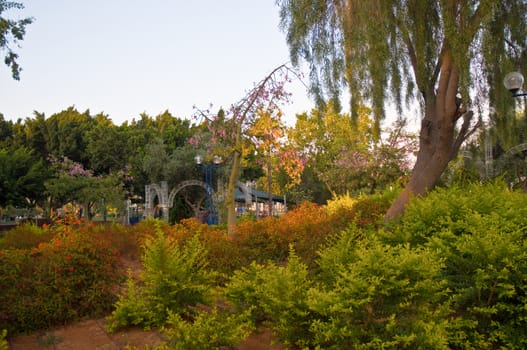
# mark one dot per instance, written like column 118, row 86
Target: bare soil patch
column 92, row 334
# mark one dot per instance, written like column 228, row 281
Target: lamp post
column 208, row 169
column 513, row 82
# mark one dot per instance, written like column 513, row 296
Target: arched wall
column 188, row 183
column 166, row 201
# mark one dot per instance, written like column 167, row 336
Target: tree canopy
column 448, row 56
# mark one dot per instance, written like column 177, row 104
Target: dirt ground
column 91, row 335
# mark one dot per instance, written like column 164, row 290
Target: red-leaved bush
column 75, row 275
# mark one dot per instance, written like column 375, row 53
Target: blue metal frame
column 212, row 210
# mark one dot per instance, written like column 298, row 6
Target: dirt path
column 85, row 335
column 91, row 335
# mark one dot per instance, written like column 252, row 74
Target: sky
column 127, row 57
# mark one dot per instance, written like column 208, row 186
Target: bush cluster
column 74, row 275
column 451, row 274
column 306, row 228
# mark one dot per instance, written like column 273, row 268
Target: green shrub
column 210, row 330
column 4, row 345
column 276, row 295
column 382, row 297
column 480, row 231
column 486, row 269
column 173, row 279
column 443, row 208
column 364, row 211
column 339, row 253
column 131, row 308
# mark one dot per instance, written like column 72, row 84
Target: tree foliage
column 22, row 177
column 448, row 56
column 72, row 183
column 228, row 128
column 11, row 33
column 346, row 156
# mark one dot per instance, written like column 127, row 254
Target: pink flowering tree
column 72, row 183
column 228, row 128
column 349, row 157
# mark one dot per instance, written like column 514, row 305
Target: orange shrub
column 75, row 275
column 268, row 239
column 26, row 236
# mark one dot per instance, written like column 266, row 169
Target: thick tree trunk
column 431, row 162
column 438, row 142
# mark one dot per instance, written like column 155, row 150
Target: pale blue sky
column 125, row 57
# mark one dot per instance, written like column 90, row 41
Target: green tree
column 11, row 33
column 73, row 183
column 67, row 134
column 334, row 148
column 347, row 157
column 6, row 131
column 22, row 177
column 138, row 134
column 173, row 131
column 432, row 52
column 33, row 133
column 106, row 149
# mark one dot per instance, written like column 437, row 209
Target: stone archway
column 166, row 200
column 161, row 192
column 189, row 183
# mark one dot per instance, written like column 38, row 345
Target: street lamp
column 513, row 82
column 208, row 169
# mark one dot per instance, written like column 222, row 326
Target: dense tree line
column 77, row 157
column 40, row 153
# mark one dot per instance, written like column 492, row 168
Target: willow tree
column 449, row 56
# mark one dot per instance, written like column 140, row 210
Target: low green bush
column 486, row 270
column 208, row 330
column 173, row 279
column 276, row 295
column 480, row 231
column 447, row 208
column 378, row 296
column 4, row 345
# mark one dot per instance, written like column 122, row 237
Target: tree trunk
column 431, row 162
column 438, row 143
column 231, row 188
column 269, row 184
